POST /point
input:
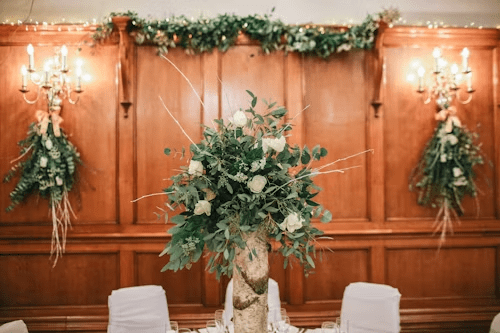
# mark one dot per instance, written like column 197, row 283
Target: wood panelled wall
column 378, row 234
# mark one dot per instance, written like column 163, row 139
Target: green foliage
column 49, row 169
column 445, row 173
column 221, row 32
column 243, row 176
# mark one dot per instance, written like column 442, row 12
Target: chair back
column 17, row 326
column 495, row 324
column 370, row 308
column 138, row 309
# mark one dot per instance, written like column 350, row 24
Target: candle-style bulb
column 24, row 77
column 454, row 69
column 465, row 60
column 31, row 58
column 64, row 57
column 421, row 71
column 436, row 53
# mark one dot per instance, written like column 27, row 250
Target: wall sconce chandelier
column 445, row 83
column 53, row 82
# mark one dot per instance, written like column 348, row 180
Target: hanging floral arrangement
column 47, row 166
column 445, row 172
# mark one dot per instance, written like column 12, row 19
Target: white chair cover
column 273, row 299
column 138, row 309
column 495, row 324
column 370, row 307
column 17, row 326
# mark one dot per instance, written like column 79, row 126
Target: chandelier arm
column 71, row 100
column 428, row 99
column 467, row 101
column 28, row 100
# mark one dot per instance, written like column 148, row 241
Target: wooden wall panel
column 450, row 272
column 83, row 279
column 336, row 120
column 248, row 68
column 335, row 272
column 182, row 287
column 156, row 130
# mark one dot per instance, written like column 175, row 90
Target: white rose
column 278, row 144
column 452, row 139
column 202, row 207
column 43, row 161
column 443, row 158
column 48, row 144
column 257, row 183
column 292, row 222
column 59, row 181
column 457, row 172
column 239, row 118
column 195, row 168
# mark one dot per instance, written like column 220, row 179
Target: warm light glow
column 442, row 63
column 79, row 71
column 454, row 69
column 410, row 77
column 79, row 63
column 465, row 52
column 46, row 66
column 421, row 71
column 436, row 53
column 24, row 70
column 30, row 49
column 87, row 77
column 64, row 50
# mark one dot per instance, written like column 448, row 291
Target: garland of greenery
column 206, row 34
column 244, row 177
column 50, row 170
column 445, row 173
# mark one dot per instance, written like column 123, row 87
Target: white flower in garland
column 48, row 144
column 292, row 222
column 195, row 168
column 257, row 184
column 43, row 161
column 239, row 118
column 202, row 207
column 278, row 144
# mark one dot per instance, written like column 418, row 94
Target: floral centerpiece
column 245, row 187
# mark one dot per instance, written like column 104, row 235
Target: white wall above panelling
column 450, row 12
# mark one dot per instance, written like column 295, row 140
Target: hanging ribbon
column 43, row 118
column 450, row 116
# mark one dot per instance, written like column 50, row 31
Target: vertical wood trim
column 127, row 270
column 210, row 66
column 496, row 127
column 375, row 137
column 377, row 264
column 294, row 102
column 126, row 123
column 211, row 92
column 294, row 96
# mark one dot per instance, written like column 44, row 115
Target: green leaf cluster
column 48, row 169
column 445, row 172
column 222, row 202
column 205, row 34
